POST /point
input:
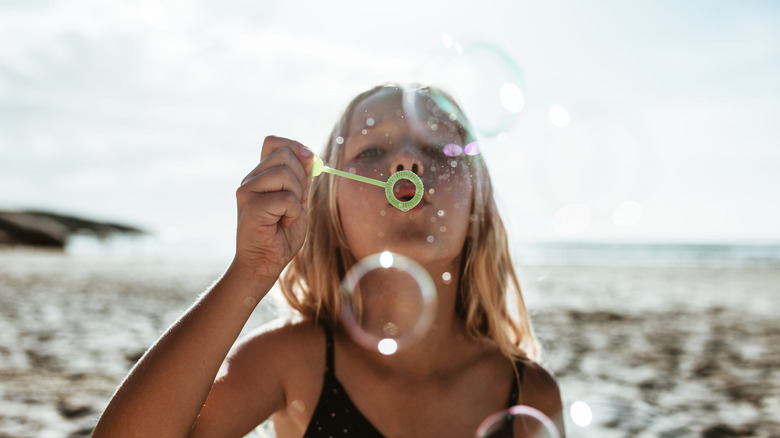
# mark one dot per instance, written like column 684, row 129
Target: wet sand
column 653, row 351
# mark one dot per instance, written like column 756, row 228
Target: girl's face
column 388, row 133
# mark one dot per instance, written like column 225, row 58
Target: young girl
column 310, row 376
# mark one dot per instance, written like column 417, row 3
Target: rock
column 26, row 229
column 51, row 230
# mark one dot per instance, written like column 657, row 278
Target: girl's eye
column 370, row 152
column 436, row 150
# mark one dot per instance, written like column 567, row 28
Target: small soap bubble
column 446, row 277
column 519, row 421
column 388, row 302
column 339, row 140
column 297, row 407
column 440, row 213
column 250, row 302
column 442, row 228
column 382, row 213
column 430, row 239
column 431, row 191
column 370, row 121
column 364, row 132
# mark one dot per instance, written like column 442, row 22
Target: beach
column 671, row 350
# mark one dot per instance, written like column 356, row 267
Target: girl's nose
column 405, row 160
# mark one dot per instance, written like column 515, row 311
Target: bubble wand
column 318, row 167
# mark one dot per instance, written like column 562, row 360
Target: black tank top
column 336, row 415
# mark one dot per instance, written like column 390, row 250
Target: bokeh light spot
column 447, row 40
column 387, row 346
column 511, row 97
column 559, row 116
column 627, row 214
column 581, row 414
column 386, row 259
column 472, row 148
column 452, row 150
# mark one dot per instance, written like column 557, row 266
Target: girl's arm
column 166, row 390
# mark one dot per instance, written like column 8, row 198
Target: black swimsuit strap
column 329, row 356
column 514, row 394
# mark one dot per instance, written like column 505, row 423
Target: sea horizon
column 524, row 252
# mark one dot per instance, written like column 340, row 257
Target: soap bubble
column 388, row 302
column 486, row 81
column 519, row 421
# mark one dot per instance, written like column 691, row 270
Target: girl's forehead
column 382, row 105
column 391, row 104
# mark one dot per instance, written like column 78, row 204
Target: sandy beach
column 672, row 351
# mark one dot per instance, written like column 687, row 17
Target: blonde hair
column 311, row 283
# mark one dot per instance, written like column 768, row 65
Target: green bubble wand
column 318, row 167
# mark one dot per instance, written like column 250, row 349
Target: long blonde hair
column 311, row 283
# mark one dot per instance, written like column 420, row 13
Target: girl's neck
column 443, row 345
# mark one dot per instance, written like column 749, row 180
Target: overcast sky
column 624, row 121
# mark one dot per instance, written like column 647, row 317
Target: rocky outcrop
column 51, row 230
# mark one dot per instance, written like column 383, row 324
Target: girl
column 310, row 376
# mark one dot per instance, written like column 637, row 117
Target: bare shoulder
column 279, row 345
column 262, row 372
column 540, row 390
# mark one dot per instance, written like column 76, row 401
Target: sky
column 610, row 121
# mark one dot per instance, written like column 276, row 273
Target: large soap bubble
column 486, row 81
column 388, row 302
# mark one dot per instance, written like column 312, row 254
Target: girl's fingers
column 275, row 207
column 280, row 178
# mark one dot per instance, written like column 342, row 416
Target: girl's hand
column 272, row 208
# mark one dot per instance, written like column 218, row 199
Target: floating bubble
column 519, row 421
column 485, row 80
column 388, row 302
